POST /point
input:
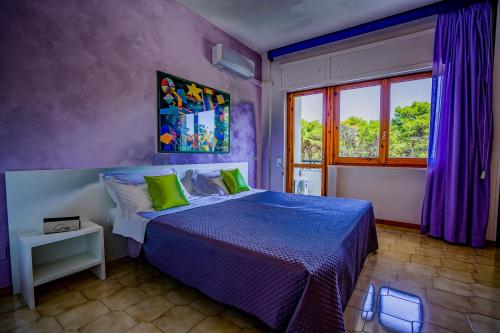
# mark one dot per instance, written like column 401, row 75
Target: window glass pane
column 410, row 118
column 308, row 128
column 359, row 131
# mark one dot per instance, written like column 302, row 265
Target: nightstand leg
column 100, row 271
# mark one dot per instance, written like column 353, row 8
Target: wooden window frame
column 290, row 158
column 383, row 159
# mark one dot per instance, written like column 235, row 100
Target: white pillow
column 130, row 198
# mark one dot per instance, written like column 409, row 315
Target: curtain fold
column 456, row 201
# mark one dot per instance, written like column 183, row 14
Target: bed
column 290, row 260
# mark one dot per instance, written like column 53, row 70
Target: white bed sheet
column 134, row 225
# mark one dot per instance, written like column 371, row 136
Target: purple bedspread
column 290, row 260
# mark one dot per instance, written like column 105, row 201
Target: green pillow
column 234, row 181
column 166, row 191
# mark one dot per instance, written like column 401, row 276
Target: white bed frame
column 34, row 195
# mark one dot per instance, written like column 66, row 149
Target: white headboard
column 34, row 195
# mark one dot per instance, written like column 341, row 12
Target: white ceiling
column 267, row 24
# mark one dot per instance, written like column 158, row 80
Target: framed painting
column 192, row 118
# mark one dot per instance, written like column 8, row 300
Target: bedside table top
column 38, row 238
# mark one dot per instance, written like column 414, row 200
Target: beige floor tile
column 460, row 257
column 409, row 243
column 48, row 291
column 82, row 315
column 446, row 318
column 420, row 281
column 457, row 265
column 18, row 318
column 493, row 270
column 453, row 286
column 382, row 262
column 485, row 307
column 215, row 325
column 380, row 274
column 179, row 320
column 482, row 324
column 449, row 300
column 486, row 292
column 487, row 261
column 253, row 330
column 239, row 318
column 429, row 328
column 357, row 299
column 54, row 306
column 118, row 270
column 158, row 286
column 453, row 274
column 182, row 295
column 206, row 306
column 396, row 256
column 10, row 303
column 101, row 289
column 487, row 279
column 124, row 298
column 403, row 249
column 425, row 260
column 364, row 282
column 353, row 321
column 113, row 322
column 460, row 249
column 430, row 252
column 145, row 328
column 43, row 325
column 149, row 308
column 419, row 269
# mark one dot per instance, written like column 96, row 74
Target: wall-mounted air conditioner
column 231, row 61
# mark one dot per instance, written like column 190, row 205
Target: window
column 383, row 122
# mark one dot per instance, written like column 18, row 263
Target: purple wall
column 78, row 86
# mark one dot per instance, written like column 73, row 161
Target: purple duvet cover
column 290, row 260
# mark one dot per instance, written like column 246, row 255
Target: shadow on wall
column 242, row 144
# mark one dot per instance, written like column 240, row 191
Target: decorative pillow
column 130, row 198
column 208, row 183
column 137, row 178
column 166, row 191
column 234, row 181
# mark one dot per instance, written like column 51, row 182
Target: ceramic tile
column 18, row 318
column 486, row 292
column 9, row 303
column 420, row 292
column 483, row 324
column 419, row 269
column 403, row 249
column 396, row 256
column 206, row 306
column 429, row 252
column 493, row 270
column 215, row 325
column 44, row 325
column 487, row 279
column 145, row 328
column 113, row 322
column 453, row 286
column 149, row 308
column 452, row 274
column 445, row 318
column 420, row 281
column 124, row 298
column 101, row 289
column 353, row 320
column 182, row 295
column 425, row 260
column 59, row 304
column 485, row 307
column 466, row 258
column 487, row 261
column 239, row 318
column 449, row 300
column 82, row 315
column 457, row 265
column 179, row 320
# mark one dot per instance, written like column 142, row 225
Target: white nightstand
column 46, row 257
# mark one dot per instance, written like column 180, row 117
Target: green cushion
column 234, row 181
column 166, row 191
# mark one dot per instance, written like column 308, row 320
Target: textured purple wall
column 77, row 86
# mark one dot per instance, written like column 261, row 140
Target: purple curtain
column 456, row 202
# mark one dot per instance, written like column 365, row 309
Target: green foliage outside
column 408, row 135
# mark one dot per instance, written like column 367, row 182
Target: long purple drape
column 456, row 202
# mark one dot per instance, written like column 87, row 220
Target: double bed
column 290, row 260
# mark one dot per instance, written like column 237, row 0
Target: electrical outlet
column 278, row 162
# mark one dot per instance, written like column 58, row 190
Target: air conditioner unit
column 231, row 61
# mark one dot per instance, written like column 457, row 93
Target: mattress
column 290, row 260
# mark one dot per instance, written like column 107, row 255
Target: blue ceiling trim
column 390, row 21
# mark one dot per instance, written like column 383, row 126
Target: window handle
column 382, row 143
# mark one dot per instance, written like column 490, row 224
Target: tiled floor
column 412, row 284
